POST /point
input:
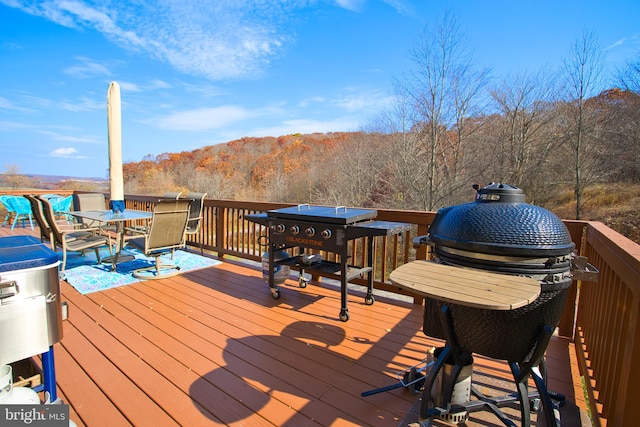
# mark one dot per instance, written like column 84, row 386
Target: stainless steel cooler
column 30, row 305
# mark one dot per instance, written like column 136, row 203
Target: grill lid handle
column 582, row 270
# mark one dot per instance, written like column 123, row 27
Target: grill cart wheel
column 414, row 380
column 302, row 281
column 369, row 300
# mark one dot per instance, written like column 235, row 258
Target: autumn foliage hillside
column 307, row 169
column 580, row 159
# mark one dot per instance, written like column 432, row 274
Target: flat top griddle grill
column 322, row 214
column 325, row 229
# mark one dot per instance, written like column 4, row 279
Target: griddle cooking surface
column 331, row 215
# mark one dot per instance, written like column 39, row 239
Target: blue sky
column 200, row 73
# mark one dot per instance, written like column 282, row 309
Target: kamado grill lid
column 500, row 222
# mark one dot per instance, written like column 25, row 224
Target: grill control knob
column 310, row 231
column 326, row 233
column 280, row 228
column 295, row 229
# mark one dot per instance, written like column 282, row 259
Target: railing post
column 220, row 235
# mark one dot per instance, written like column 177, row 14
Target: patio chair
column 92, row 202
column 61, row 206
column 43, row 224
column 8, row 208
column 172, row 195
column 163, row 236
column 38, row 214
column 21, row 210
column 71, row 239
column 195, row 216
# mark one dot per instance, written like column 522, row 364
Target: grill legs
column 522, row 371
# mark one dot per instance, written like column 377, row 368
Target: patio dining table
column 119, row 219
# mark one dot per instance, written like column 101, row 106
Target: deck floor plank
column 186, row 367
column 119, row 367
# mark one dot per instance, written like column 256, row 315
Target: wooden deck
column 212, row 347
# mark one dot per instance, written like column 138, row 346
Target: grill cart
column 324, row 229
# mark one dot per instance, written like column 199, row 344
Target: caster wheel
column 275, row 294
column 410, row 377
column 344, row 316
column 535, row 406
column 302, row 283
column 369, row 300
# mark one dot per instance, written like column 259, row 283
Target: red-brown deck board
column 212, row 347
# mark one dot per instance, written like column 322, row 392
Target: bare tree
column 12, row 178
column 583, row 73
column 353, row 173
column 523, row 143
column 629, row 77
column 404, row 165
column 443, row 91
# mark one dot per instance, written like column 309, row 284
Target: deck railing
column 601, row 318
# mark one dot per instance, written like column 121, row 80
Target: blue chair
column 21, row 208
column 7, row 207
column 62, row 205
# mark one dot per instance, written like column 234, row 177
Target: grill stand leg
column 520, row 370
column 461, row 358
column 523, row 370
column 344, row 310
column 369, row 299
column 275, row 293
column 49, row 370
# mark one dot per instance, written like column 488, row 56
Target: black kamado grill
column 500, row 233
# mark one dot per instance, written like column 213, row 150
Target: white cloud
column 287, row 127
column 203, row 118
column 403, row 7
column 86, row 69
column 6, row 104
column 362, row 100
column 216, row 40
column 129, row 87
column 13, row 126
column 353, row 5
column 68, row 138
column 84, row 104
column 67, row 152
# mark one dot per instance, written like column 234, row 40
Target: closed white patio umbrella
column 114, row 124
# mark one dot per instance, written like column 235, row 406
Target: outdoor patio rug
column 86, row 276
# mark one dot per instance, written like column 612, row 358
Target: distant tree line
column 449, row 126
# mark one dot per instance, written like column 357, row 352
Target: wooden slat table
column 466, row 286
